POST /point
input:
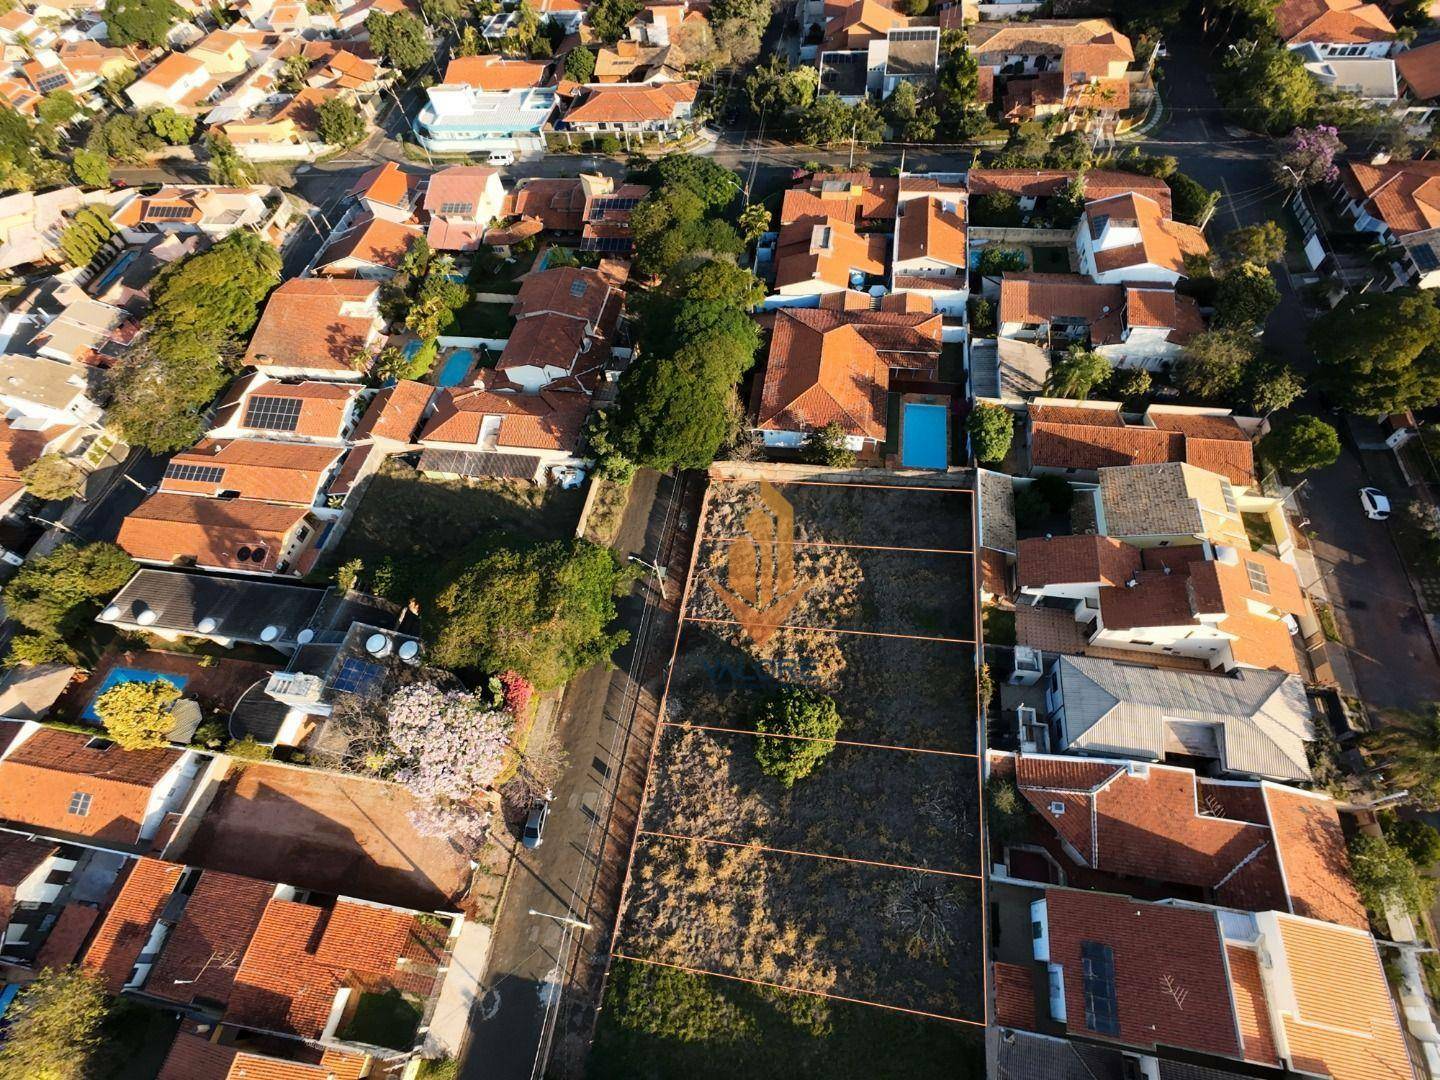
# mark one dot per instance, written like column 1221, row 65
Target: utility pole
column 656, row 569
column 564, row 920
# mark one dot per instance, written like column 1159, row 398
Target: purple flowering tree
column 1307, row 156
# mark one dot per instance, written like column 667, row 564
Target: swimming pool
column 128, row 674
column 457, row 365
column 922, row 437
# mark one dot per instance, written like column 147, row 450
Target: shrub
column 809, row 718
column 1385, row 874
column 827, row 447
column 136, row 715
column 991, row 430
column 982, row 316
column 1419, row 840
column 249, row 749
column 995, row 261
column 347, row 575
column 518, row 692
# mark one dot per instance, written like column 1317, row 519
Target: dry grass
column 607, row 510
column 894, row 517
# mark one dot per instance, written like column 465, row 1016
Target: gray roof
column 241, row 607
column 1025, row 1055
column 997, row 510
column 1260, row 720
column 52, row 383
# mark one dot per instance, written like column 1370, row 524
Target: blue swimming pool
column 128, row 674
column 456, row 367
column 922, row 437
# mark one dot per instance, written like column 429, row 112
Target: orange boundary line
column 809, row 854
column 796, row 989
column 826, row 630
column 816, row 738
column 851, row 547
column 844, row 484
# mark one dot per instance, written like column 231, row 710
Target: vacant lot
column 328, row 832
column 898, row 937
column 891, row 806
column 851, row 514
column 659, row 1024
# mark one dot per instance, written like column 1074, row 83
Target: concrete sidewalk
column 459, row 992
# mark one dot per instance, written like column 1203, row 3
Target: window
column 272, row 413
column 79, row 804
column 1228, row 494
column 1258, row 579
column 199, row 474
column 1098, row 962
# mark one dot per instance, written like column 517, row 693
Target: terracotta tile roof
column 631, row 104
column 300, row 955
column 796, row 204
column 371, row 240
column 40, row 776
column 1157, row 599
column 395, row 412
column 576, row 291
column 1074, row 560
column 1336, row 21
column 1163, row 242
column 546, row 340
column 126, row 927
column 284, row 472
column 213, row 532
column 544, row 421
column 1313, row 854
column 1403, row 194
column 826, row 250
column 1161, row 309
column 172, row 67
column 194, row 1058
column 388, row 184
column 1247, row 989
column 1344, row 1023
column 494, row 73
column 1099, row 183
column 1094, row 439
column 860, row 21
column 22, row 447
column 320, row 323
column 1045, row 298
column 458, row 184
column 1420, row 68
column 877, row 195
column 1091, row 447
column 69, row 934
column 558, row 204
column 1014, row 996
column 201, row 955
column 19, row 858
column 1169, row 963
column 1048, row 37
column 932, row 228
column 1092, row 414
column 324, row 406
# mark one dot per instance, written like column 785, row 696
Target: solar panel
column 52, row 82
column 600, row 207
column 167, row 213
column 577, row 288
column 199, row 474
column 456, row 207
column 606, row 243
column 272, row 413
column 1101, row 1013
column 1425, row 258
column 357, row 676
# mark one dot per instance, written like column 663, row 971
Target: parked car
column 534, row 834
column 497, row 158
column 1375, row 503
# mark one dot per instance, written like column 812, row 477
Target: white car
column 1375, row 503
column 497, row 158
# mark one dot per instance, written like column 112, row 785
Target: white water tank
column 378, row 645
column 304, row 637
column 1227, row 555
column 206, row 625
column 408, row 651
column 270, row 633
column 110, row 614
column 146, row 617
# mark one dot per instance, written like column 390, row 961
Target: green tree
column 672, row 228
column 339, row 122
column 1270, row 385
column 34, row 649
column 294, row 73
column 831, row 120
column 141, row 22
column 51, row 477
column 996, row 260
column 1379, row 352
column 1261, row 244
column 609, row 19
column 226, row 165
column 540, row 609
column 136, row 715
column 400, row 39
column 437, row 299
column 902, row 106
column 57, row 593
column 55, row 1026
column 1215, row 362
column 804, row 724
column 754, row 222
column 175, row 128
column 958, row 80
column 123, row 137
column 90, row 169
column 1076, row 373
column 1420, row 841
column 1407, row 747
column 1245, row 297
column 998, row 209
column 697, row 340
column 580, row 65
column 1268, row 87
column 524, row 35
column 714, row 185
column 991, row 430
column 1385, row 875
column 86, row 234
column 57, row 108
column 469, row 43
column 437, row 11
column 1301, row 445
column 1191, row 202
column 826, row 446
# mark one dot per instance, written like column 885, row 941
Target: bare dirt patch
column 891, row 806
column 850, row 514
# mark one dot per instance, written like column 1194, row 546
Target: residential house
column 224, row 54
column 477, row 432
column 335, row 68
column 370, row 248
column 318, row 328
column 1269, row 989
column 462, row 201
column 389, row 192
column 46, row 74
column 178, row 81
column 31, row 224
column 1046, row 67
column 568, row 14
column 49, row 898
column 1419, row 71
column 280, row 472
column 257, row 406
column 857, row 197
column 194, row 1056
column 289, row 131
column 1174, row 504
column 493, row 73
column 661, row 22
column 247, row 536
column 819, row 255
column 1399, row 201
column 19, row 25
column 1250, row 723
column 1142, row 828
column 65, row 785
column 872, row 62
column 90, row 63
column 630, row 61
column 836, row 367
column 591, row 205
column 1030, row 186
column 210, row 210
column 663, row 108
column 1336, row 28
column 83, row 331
column 41, row 394
column 1371, row 81
column 607, row 214
column 1213, row 603
column 21, row 447
column 1128, row 239
column 1076, row 439
column 565, row 319
column 931, row 250
column 463, row 119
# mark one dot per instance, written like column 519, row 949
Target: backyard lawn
column 482, row 320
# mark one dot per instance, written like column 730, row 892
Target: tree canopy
column 991, row 430
column 136, row 715
column 1301, row 445
column 809, row 719
column 400, row 39
column 1379, row 352
column 1407, row 746
column 831, row 120
column 52, row 476
column 1215, row 362
column 225, row 163
column 1076, row 373
column 580, row 65
column 539, row 609
column 1261, row 244
column 141, row 22
column 339, row 122
column 54, row 1026
column 1245, row 297
column 1268, row 87
column 87, row 233
column 826, row 446
column 1385, row 875
column 609, row 19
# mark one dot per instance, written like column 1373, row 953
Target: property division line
column 816, row 738
column 809, row 854
column 753, row 626
column 853, row 547
column 796, row 989
column 843, row 484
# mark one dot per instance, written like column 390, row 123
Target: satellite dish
column 377, row 645
column 408, row 651
column 305, row 636
column 206, row 625
column 270, row 633
column 146, row 617
column 110, row 614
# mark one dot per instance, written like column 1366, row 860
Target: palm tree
column 1408, row 749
